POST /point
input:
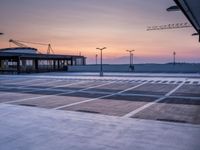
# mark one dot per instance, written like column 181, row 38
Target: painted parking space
column 114, row 87
column 42, row 87
column 16, row 96
column 173, row 110
column 154, row 89
column 113, row 97
column 52, row 83
column 82, row 85
column 114, row 105
column 44, row 92
column 56, row 101
column 12, row 81
column 13, row 90
column 132, row 98
column 188, row 90
column 47, row 94
column 24, row 81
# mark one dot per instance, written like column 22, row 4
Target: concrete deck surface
column 27, row 128
column 60, row 111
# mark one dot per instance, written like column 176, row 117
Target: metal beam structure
column 190, row 9
column 169, row 26
column 20, row 44
column 173, row 8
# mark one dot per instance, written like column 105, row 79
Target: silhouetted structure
column 101, row 68
column 27, row 60
column 174, row 56
column 96, row 57
column 131, row 66
column 190, row 9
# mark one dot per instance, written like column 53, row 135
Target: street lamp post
column 174, row 54
column 96, row 57
column 131, row 59
column 101, row 68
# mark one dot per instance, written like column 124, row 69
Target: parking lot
column 162, row 99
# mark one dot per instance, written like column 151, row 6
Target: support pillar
column 18, row 65
column 36, row 65
column 58, row 64
column 54, row 64
column 72, row 62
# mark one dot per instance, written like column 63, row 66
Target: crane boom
column 169, row 26
column 36, row 43
column 17, row 43
column 20, row 44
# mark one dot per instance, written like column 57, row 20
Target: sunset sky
column 74, row 26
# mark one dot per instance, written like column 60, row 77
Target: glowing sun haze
column 74, row 26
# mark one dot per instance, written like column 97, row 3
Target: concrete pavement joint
column 154, row 102
column 93, row 99
column 69, row 92
column 42, row 89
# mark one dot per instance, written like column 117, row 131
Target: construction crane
column 173, row 26
column 169, row 26
column 21, row 44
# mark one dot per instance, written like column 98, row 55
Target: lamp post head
column 130, row 51
column 101, row 48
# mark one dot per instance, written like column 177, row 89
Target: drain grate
column 88, row 111
column 195, row 82
column 171, row 120
column 29, row 105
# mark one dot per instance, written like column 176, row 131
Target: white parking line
column 3, row 81
column 27, row 87
column 20, row 82
column 41, row 83
column 45, row 96
column 105, row 96
column 58, row 86
column 43, row 89
column 122, row 94
column 66, row 85
column 152, row 103
column 7, row 86
column 144, row 95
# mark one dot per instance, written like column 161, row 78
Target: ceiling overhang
column 191, row 9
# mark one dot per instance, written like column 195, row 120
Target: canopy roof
column 191, row 9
